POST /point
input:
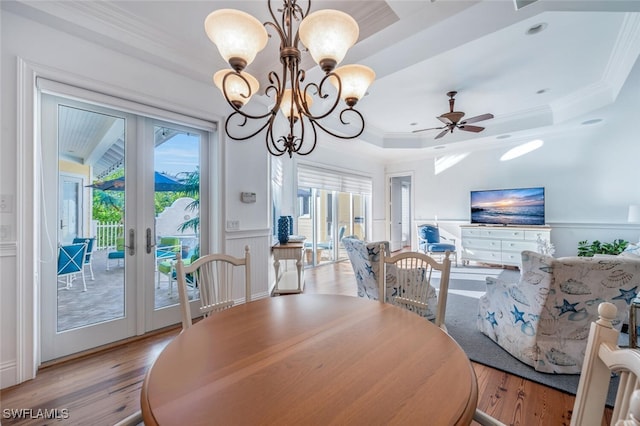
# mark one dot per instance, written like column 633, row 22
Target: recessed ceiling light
column 592, row 121
column 535, row 29
column 522, row 150
column 503, row 137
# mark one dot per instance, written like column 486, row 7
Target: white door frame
column 389, row 196
column 28, row 196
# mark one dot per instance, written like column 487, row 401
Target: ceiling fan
column 452, row 119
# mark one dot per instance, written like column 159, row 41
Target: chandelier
column 327, row 35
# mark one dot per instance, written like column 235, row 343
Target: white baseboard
column 8, row 374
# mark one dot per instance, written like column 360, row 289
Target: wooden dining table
column 311, row 359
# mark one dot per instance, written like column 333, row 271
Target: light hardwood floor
column 104, row 387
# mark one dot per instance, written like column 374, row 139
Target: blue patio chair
column 431, row 243
column 71, row 259
column 118, row 254
column 90, row 242
column 168, row 268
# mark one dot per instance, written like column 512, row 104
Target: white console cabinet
column 500, row 245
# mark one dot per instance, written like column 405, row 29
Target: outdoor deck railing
column 107, row 233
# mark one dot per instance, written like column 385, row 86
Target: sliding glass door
column 331, row 206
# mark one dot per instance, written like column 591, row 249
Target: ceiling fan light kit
column 452, row 120
column 327, row 35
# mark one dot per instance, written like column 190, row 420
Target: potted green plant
column 596, row 247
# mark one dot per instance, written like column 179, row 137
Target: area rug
column 466, row 285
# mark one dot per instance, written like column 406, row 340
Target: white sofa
column 543, row 320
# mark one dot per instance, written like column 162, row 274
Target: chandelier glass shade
column 327, row 35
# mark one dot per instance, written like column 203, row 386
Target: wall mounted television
column 516, row 206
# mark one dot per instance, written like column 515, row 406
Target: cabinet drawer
column 503, row 234
column 482, row 255
column 519, row 246
column 470, row 232
column 532, row 235
column 479, row 243
column 511, row 258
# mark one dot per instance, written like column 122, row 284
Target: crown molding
column 109, row 25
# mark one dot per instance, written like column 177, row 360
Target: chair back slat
column 214, row 275
column 407, row 276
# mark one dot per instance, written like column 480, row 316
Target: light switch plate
column 248, row 197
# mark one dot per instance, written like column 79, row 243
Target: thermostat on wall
column 248, row 197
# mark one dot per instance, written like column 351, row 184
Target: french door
column 132, row 185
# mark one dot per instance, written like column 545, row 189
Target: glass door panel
column 325, row 217
column 176, row 208
column 70, row 208
column 83, row 283
column 359, row 216
column 344, row 213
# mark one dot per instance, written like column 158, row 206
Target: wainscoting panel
column 565, row 236
column 261, row 265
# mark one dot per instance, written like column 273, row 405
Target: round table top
column 301, row 359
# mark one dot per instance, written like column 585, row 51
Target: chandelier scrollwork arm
column 240, row 37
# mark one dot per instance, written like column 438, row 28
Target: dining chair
column 603, row 357
column 213, row 275
column 90, row 242
column 407, row 275
column 484, row 419
column 364, row 257
column 134, row 419
column 71, row 262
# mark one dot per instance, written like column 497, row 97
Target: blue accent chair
column 71, row 259
column 90, row 242
column 432, row 244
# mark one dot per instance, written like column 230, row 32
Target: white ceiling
column 420, row 50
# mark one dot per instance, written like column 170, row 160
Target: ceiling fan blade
column 445, row 120
column 442, row 133
column 477, row 118
column 430, row 128
column 474, row 129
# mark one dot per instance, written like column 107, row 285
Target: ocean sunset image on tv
column 518, row 206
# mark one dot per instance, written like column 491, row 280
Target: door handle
column 149, row 244
column 132, row 242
